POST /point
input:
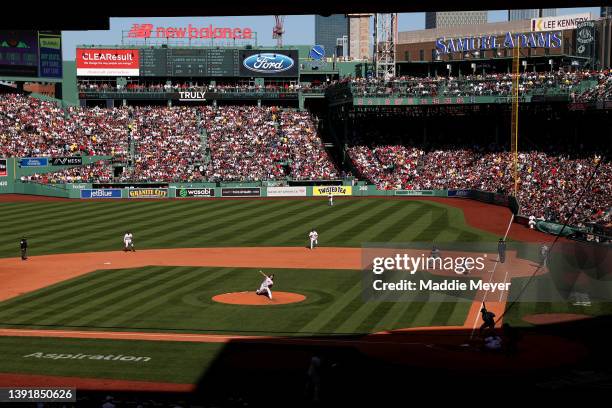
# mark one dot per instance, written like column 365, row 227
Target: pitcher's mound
column 551, row 318
column 253, row 299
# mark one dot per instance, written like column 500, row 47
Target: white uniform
column 314, row 239
column 331, row 200
column 264, row 289
column 532, row 222
column 127, row 241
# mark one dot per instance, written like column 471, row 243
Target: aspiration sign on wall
column 107, row 62
column 491, row 42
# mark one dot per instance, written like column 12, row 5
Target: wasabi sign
column 492, row 42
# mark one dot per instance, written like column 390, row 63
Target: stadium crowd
column 549, row 182
column 244, row 142
column 493, row 84
column 260, row 143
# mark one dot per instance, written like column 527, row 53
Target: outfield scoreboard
column 29, row 53
column 186, row 62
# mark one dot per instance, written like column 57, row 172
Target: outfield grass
column 178, row 299
column 176, row 362
column 79, row 226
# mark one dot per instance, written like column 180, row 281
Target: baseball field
column 81, row 310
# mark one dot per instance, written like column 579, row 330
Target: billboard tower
column 385, row 35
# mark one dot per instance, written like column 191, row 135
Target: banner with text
column 286, row 191
column 100, row 193
column 107, row 62
column 67, row 161
column 148, row 193
column 34, row 162
column 240, row 192
column 195, row 192
column 333, row 190
column 3, row 172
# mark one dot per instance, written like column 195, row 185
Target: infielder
column 314, row 238
column 264, row 288
column 128, row 241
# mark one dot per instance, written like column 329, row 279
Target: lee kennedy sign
column 268, row 63
column 492, row 42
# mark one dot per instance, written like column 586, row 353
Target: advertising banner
column 100, row 193
column 107, row 62
column 18, row 53
column 148, row 193
column 194, row 192
column 50, row 64
column 286, row 191
column 585, row 39
column 333, row 190
column 414, row 193
column 269, row 63
column 460, row 193
column 67, row 161
column 559, row 22
column 3, row 168
column 240, row 192
column 34, row 162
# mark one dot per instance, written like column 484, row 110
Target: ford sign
column 268, row 63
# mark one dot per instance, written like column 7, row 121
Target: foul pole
column 516, row 74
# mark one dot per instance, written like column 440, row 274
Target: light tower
column 278, row 30
column 385, row 35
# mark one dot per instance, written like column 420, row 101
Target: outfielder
column 264, row 288
column 314, row 238
column 128, row 242
column 331, row 200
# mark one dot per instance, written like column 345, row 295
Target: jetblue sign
column 492, row 42
column 269, row 63
column 101, row 193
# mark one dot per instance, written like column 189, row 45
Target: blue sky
column 299, row 30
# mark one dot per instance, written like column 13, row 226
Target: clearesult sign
column 148, row 193
column 195, row 192
column 107, row 62
column 286, row 191
column 100, row 193
column 67, row 161
column 570, row 22
column 240, row 192
column 333, row 190
column 3, row 171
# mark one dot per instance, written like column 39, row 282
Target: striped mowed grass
column 85, row 226
column 178, row 299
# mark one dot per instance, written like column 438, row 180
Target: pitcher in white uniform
column 264, row 288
